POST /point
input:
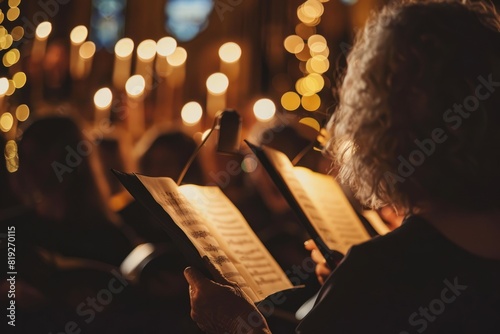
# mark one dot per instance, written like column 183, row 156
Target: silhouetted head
column 167, row 155
column 58, row 174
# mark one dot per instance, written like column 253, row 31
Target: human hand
column 322, row 269
column 221, row 307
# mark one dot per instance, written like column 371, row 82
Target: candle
column 164, row 47
column 4, row 87
column 230, row 54
column 146, row 52
column 134, row 87
column 42, row 33
column 102, row 101
column 164, row 93
column 123, row 62
column 176, row 74
column 217, row 85
column 177, row 67
column 191, row 114
column 77, row 36
column 84, row 62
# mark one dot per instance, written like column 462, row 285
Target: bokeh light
column 166, row 46
column 19, row 79
column 290, row 101
column 146, row 50
column 103, row 98
column 135, row 85
column 294, row 44
column 230, row 52
column 311, row 122
column 43, row 30
column 6, row 122
column 311, row 103
column 191, row 113
column 79, row 34
column 22, row 112
column 178, row 57
column 87, row 50
column 264, row 110
column 124, row 48
column 217, row 83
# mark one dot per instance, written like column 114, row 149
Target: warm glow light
column 135, row 85
column 78, row 35
column 13, row 13
column 43, row 30
column 230, row 52
column 311, row 103
column 22, row 112
column 305, row 15
column 11, row 157
column 316, row 43
column 146, row 50
column 178, row 57
column 19, row 79
column 299, row 86
column 191, row 113
column 313, row 83
column 6, row 122
column 103, row 98
column 166, row 46
column 290, row 101
column 14, row 3
column 264, row 110
column 325, row 52
column 312, row 8
column 10, row 149
column 309, row 121
column 11, row 89
column 124, row 48
column 318, row 64
column 294, row 44
column 11, row 57
column 17, row 33
column 87, row 50
column 217, row 83
column 304, row 55
column 304, row 31
column 4, row 86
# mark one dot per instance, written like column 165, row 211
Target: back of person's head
column 167, row 154
column 58, row 175
column 419, row 107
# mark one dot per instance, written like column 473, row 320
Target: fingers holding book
column 216, row 307
column 322, row 269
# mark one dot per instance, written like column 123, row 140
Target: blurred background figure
column 163, row 152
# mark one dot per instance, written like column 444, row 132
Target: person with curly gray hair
column 416, row 128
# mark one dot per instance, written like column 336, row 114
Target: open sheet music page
column 323, row 202
column 238, row 240
column 193, row 216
